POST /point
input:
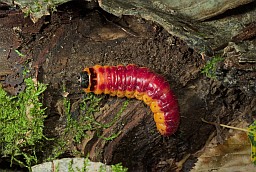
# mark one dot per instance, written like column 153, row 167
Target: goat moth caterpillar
column 132, row 81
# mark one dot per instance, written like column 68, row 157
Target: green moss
column 118, row 168
column 87, row 121
column 57, row 168
column 38, row 8
column 102, row 168
column 210, row 68
column 22, row 122
column 76, row 127
column 70, row 168
column 88, row 106
column 86, row 164
column 19, row 53
column 58, row 147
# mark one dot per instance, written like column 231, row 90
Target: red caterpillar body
column 132, row 81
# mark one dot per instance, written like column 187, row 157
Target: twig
column 227, row 126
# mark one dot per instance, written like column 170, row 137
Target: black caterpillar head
column 84, row 79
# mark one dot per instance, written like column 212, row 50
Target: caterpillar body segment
column 132, row 81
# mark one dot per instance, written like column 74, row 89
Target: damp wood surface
column 58, row 47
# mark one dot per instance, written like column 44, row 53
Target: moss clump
column 88, row 106
column 21, row 124
column 118, row 168
column 36, row 8
column 76, row 126
column 211, row 66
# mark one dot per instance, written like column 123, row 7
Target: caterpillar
column 132, row 81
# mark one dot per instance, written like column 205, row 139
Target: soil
column 59, row 46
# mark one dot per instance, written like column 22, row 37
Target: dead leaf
column 233, row 155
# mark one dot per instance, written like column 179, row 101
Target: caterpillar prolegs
column 132, row 81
